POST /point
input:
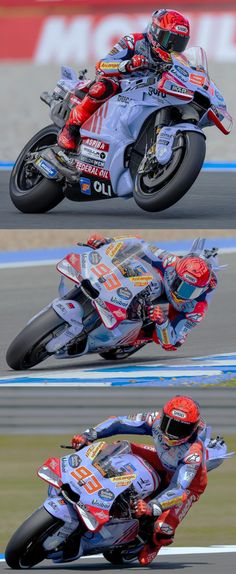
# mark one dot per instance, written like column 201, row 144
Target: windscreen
column 104, row 458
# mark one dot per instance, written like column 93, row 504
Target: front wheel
column 163, row 186
column 29, row 190
column 29, row 347
column 25, row 548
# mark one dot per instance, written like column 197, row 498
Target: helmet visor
column 184, row 290
column 176, row 429
column 172, row 41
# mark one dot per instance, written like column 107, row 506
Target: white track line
column 179, row 551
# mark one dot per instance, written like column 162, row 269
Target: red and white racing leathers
column 183, row 466
column 111, row 69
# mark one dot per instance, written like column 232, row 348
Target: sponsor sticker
column 101, row 504
column 182, row 71
column 109, row 66
column 141, row 280
column 124, row 293
column 113, row 249
column 74, row 460
column 85, row 186
column 179, row 414
column 94, row 450
column 102, row 187
column 92, row 143
column 106, row 494
column 46, row 167
column 219, row 96
column 92, row 170
column 94, row 257
column 123, row 479
column 193, row 458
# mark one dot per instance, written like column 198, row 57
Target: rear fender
column 166, row 138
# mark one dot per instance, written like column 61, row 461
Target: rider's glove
column 96, row 240
column 79, row 441
column 155, row 313
column 137, row 62
column 142, row 508
column 216, row 441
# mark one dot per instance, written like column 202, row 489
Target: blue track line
column 207, row 166
column 57, row 253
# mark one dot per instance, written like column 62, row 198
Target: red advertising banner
column 87, row 38
column 64, row 5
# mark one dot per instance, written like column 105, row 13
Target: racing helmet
column 189, row 279
column 179, row 420
column 169, row 31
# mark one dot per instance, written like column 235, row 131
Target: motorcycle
column 89, row 505
column 104, row 313
column 146, row 142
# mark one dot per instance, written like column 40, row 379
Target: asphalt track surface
column 189, row 564
column 25, row 291
column 211, row 203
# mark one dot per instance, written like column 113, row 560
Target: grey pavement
column 211, row 203
column 190, row 564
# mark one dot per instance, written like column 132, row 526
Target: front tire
column 154, row 192
column 38, row 194
column 25, row 548
column 28, row 348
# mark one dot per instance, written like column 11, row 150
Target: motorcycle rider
column 167, row 31
column 185, row 283
column 178, row 434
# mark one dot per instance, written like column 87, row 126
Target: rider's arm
column 114, row 64
column 176, row 492
column 174, row 330
column 140, row 423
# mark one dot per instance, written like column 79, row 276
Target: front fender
column 166, row 137
column 58, row 507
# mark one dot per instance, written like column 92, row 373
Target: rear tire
column 25, row 549
column 28, row 348
column 118, row 354
column 45, row 194
column 178, row 180
column 116, row 557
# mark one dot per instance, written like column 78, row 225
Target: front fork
column 72, row 313
column 60, row 509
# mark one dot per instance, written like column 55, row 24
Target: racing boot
column 150, row 551
column 68, row 138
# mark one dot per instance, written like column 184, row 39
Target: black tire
column 117, row 557
column 45, row 194
column 25, row 549
column 28, row 348
column 118, row 354
column 180, row 175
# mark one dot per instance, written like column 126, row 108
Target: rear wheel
column 117, row 556
column 29, row 190
column 159, row 187
column 119, row 354
column 25, row 548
